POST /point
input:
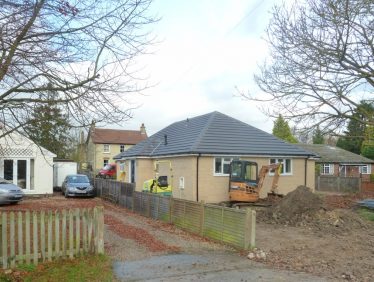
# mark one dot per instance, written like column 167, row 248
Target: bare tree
column 321, row 64
column 82, row 50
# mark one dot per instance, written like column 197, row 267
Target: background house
column 335, row 161
column 26, row 165
column 103, row 144
column 195, row 155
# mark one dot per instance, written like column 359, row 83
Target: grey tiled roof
column 213, row 133
column 330, row 154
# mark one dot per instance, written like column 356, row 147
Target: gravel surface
column 335, row 250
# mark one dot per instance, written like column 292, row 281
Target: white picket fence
column 30, row 237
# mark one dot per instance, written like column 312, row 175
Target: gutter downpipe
column 306, row 170
column 197, row 177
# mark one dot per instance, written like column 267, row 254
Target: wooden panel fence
column 31, row 237
column 338, row 184
column 231, row 226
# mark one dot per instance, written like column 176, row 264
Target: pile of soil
column 295, row 209
column 302, row 207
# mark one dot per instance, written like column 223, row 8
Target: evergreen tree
column 49, row 128
column 355, row 133
column 367, row 149
column 318, row 137
column 282, row 130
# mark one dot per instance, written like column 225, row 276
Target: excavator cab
column 243, row 172
column 246, row 181
column 243, row 181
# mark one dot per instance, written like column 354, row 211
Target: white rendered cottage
column 26, row 165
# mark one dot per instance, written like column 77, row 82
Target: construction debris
column 295, row 208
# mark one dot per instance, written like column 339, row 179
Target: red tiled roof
column 116, row 136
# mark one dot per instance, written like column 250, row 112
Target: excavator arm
column 266, row 169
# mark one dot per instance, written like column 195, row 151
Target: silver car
column 9, row 192
column 77, row 185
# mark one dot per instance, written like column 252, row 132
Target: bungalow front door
column 132, row 171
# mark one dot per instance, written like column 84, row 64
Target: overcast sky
column 207, row 49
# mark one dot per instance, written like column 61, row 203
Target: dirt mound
column 295, row 208
column 302, row 207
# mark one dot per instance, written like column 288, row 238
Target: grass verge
column 366, row 213
column 84, row 268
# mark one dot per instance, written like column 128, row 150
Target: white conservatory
column 26, row 165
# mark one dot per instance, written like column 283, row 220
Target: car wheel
column 66, row 194
column 13, row 203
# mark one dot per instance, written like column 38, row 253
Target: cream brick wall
column 100, row 155
column 181, row 167
column 144, row 170
column 214, row 189
column 96, row 155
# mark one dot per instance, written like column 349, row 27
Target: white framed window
column 327, row 169
column 121, row 148
column 365, row 169
column 106, row 161
column 286, row 166
column 222, row 166
column 106, row 148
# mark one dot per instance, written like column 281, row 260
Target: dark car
column 9, row 192
column 77, row 185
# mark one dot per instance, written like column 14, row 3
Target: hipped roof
column 213, row 133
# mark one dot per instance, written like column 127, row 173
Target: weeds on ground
column 366, row 213
column 84, row 268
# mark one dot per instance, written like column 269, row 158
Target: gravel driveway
column 143, row 249
column 147, row 250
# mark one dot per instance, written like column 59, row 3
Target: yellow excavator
column 160, row 184
column 246, row 183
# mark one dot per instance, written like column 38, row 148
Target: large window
column 106, row 148
column 327, row 169
column 286, row 165
column 365, row 169
column 222, row 165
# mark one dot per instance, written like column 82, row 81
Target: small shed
column 62, row 168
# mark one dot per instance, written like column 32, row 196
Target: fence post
column 49, row 236
column 100, row 230
column 250, row 229
column 338, row 183
column 28, row 236
column 35, row 237
column 202, row 217
column 150, row 198
column 20, row 237
column 133, row 202
column 12, row 240
column 4, row 237
column 171, row 207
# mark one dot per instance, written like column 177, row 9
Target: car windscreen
column 108, row 167
column 78, row 179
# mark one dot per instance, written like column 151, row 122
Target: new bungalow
column 195, row 154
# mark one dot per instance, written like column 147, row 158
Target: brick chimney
column 142, row 129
